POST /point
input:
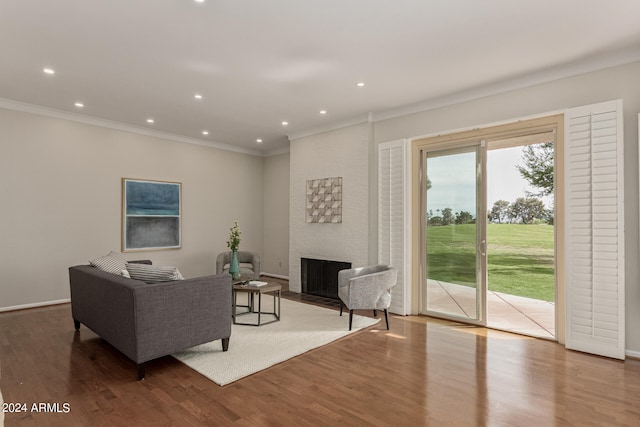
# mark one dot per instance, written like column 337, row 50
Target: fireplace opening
column 320, row 277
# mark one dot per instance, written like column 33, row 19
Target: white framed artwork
column 324, row 200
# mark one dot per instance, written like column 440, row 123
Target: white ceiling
column 259, row 62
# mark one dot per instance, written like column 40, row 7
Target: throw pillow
column 152, row 273
column 125, row 273
column 113, row 262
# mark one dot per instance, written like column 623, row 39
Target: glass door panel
column 453, row 277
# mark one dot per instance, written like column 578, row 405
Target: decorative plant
column 234, row 237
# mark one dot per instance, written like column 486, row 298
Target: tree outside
column 447, row 216
column 499, row 212
column 527, row 210
column 537, row 167
column 464, row 217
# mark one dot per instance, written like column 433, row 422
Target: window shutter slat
column 595, row 230
column 392, row 219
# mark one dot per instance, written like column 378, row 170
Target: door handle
column 482, row 247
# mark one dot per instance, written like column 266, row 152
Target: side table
column 252, row 291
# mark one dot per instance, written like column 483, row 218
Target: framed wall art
column 151, row 215
column 324, row 200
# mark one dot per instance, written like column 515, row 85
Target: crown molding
column 9, row 104
column 276, row 152
column 618, row 58
column 357, row 120
column 588, row 65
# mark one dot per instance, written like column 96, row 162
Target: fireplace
column 320, row 277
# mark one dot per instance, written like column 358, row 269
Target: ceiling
column 258, row 63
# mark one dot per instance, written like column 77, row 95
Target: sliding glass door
column 454, row 273
column 513, row 280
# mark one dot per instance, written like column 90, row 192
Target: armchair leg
column 76, row 324
column 341, row 305
column 141, row 370
column 375, row 313
column 386, row 317
column 225, row 343
column 350, row 318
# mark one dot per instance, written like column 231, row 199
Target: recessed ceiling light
column 197, row 96
column 199, row 1
column 259, row 141
column 79, row 104
column 205, row 132
column 49, row 70
column 150, row 121
column 360, row 84
column 285, row 123
column 323, row 111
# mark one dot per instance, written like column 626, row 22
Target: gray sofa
column 147, row 321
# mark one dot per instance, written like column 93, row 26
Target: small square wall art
column 324, row 200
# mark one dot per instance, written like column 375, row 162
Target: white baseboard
column 277, row 276
column 633, row 354
column 34, row 305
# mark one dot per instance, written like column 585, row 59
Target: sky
column 453, row 180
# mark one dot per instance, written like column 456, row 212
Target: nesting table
column 254, row 292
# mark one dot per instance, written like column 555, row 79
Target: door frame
column 551, row 122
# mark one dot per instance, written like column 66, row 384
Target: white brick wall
column 340, row 153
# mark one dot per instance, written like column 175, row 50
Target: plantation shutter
column 595, row 229
column 393, row 219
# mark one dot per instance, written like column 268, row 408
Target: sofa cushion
column 152, row 273
column 113, row 262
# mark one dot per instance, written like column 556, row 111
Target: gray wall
column 275, row 252
column 60, row 188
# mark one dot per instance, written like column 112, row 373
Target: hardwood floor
column 421, row 372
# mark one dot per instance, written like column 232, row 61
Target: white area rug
column 302, row 327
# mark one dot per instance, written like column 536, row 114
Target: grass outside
column 520, row 257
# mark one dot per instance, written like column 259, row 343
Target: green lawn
column 520, row 257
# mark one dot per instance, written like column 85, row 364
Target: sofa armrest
column 104, row 303
column 172, row 316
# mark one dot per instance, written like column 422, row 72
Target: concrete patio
column 506, row 312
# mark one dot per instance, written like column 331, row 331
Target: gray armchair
column 249, row 263
column 366, row 288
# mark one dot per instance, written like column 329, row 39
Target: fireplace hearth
column 320, row 277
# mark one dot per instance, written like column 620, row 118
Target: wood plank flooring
column 421, row 372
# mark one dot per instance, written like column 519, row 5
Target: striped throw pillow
column 153, row 274
column 111, row 263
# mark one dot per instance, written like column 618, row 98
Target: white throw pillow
column 113, row 262
column 153, row 274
